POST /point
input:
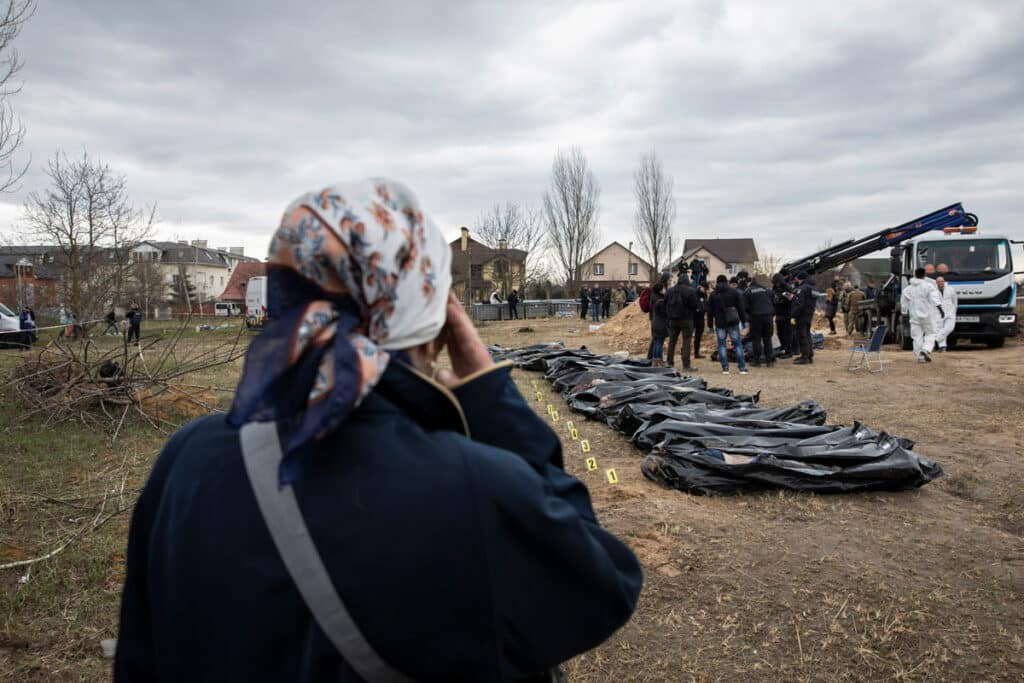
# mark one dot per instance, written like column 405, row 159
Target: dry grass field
column 922, row 585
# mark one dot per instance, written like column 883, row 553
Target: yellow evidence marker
column 585, row 445
column 554, row 415
column 612, row 477
column 570, row 425
column 591, row 464
column 551, row 409
column 574, row 434
column 540, row 396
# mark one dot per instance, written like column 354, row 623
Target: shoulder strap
column 261, row 451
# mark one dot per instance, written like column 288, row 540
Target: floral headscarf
column 354, row 270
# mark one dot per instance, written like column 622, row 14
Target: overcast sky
column 789, row 122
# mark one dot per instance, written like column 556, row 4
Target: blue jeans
column 657, row 344
column 595, row 311
column 737, row 343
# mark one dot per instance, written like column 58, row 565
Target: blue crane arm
column 953, row 216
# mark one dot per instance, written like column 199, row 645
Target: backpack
column 645, row 300
column 675, row 306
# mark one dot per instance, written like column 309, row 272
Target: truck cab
column 981, row 271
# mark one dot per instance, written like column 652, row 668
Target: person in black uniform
column 584, row 302
column 699, row 318
column 761, row 309
column 513, row 305
column 802, row 313
column 680, row 305
column 782, row 298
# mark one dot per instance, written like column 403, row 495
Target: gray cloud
column 786, row 121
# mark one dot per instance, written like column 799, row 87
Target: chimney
column 237, row 251
column 465, row 238
column 199, row 243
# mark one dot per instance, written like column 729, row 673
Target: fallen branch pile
column 102, row 385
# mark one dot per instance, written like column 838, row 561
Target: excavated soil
column 921, row 585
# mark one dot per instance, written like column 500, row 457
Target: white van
column 256, row 301
column 226, row 309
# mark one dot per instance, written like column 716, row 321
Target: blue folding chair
column 863, row 350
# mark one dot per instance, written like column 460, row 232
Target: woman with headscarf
column 362, row 514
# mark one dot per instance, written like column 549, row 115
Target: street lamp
column 469, row 264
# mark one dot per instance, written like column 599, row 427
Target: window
column 221, row 280
column 476, row 272
column 634, row 268
column 598, row 269
column 731, row 268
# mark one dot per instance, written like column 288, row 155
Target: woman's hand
column 465, row 348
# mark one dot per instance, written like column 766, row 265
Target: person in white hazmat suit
column 949, row 304
column 922, row 304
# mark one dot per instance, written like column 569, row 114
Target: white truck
column 256, row 302
column 944, row 242
column 980, row 270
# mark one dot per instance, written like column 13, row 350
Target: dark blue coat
column 459, row 559
column 722, row 298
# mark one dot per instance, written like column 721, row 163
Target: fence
column 530, row 308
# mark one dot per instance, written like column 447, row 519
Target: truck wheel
column 995, row 342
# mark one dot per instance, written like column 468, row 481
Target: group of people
column 678, row 313
column 846, row 297
column 133, row 319
column 512, row 301
column 931, row 307
column 600, row 300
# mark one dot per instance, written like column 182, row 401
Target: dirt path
column 912, row 586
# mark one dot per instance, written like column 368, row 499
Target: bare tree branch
column 521, row 228
column 570, row 209
column 86, row 213
column 12, row 131
column 655, row 211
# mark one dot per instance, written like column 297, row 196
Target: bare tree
column 87, row 215
column 570, row 210
column 655, row 210
column 12, row 132
column 768, row 264
column 519, row 228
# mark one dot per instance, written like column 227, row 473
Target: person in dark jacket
column 832, row 295
column 111, row 320
column 680, row 307
column 757, row 299
column 802, row 314
column 584, row 302
column 782, row 298
column 659, row 323
column 725, row 314
column 513, row 305
column 699, row 318
column 435, row 500
column 606, row 302
column 595, row 304
column 134, row 324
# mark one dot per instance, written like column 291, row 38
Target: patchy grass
column 922, row 585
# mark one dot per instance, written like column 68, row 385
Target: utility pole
column 629, row 262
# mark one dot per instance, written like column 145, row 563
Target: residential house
column 23, row 282
column 721, row 256
column 234, row 292
column 615, row 263
column 482, row 269
column 208, row 270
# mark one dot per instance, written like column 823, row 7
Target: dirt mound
column 627, row 330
